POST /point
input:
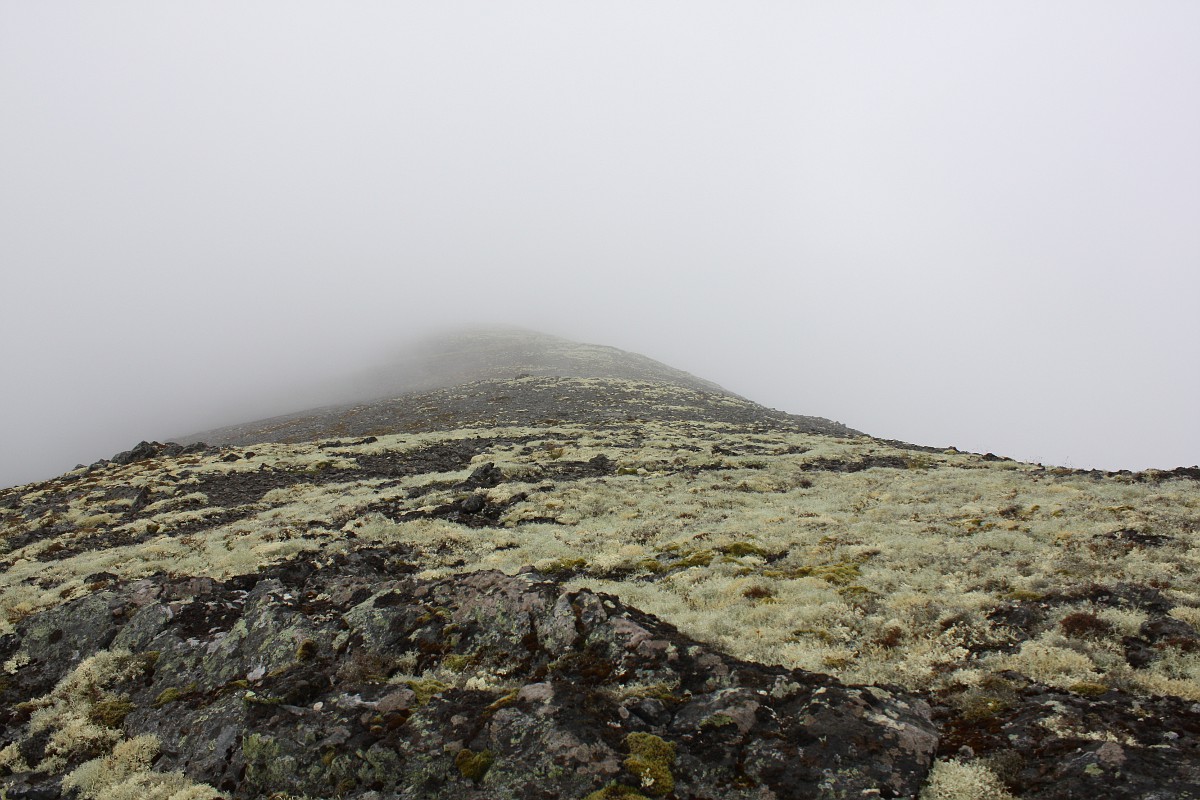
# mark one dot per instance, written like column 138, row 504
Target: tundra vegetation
column 936, row 571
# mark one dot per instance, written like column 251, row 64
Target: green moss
column 920, row 461
column 651, row 565
column 856, row 594
column 457, row 663
column 1023, row 594
column 563, row 567
column 426, row 688
column 993, row 696
column 717, row 721
column 110, row 712
column 615, row 791
column 1088, row 688
column 650, row 758
column 816, row 633
column 839, row 573
column 473, row 766
column 981, row 705
column 662, row 692
column 843, row 573
column 700, row 558
column 253, row 698
column 173, row 693
column 503, row 701
column 739, row 549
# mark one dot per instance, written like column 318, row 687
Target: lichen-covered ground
column 948, row 573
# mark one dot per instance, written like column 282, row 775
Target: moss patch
column 426, row 688
column 473, row 766
column 616, row 791
column 110, row 712
column 651, row 758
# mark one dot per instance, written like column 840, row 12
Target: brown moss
column 757, row 592
column 503, row 701
column 307, row 650
column 891, row 637
column 1084, row 625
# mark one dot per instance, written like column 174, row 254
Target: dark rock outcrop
column 351, row 678
column 144, row 450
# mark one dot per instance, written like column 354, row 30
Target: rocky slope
column 618, row 585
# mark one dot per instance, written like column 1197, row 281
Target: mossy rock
column 172, row 694
column 717, row 721
column 473, row 766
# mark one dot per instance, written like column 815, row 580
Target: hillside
column 555, row 570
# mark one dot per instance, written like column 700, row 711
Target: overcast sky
column 971, row 224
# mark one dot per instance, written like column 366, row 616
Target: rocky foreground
column 308, row 678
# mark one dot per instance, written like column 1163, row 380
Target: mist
column 951, row 224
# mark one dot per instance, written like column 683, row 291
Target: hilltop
column 510, row 377
column 516, row 566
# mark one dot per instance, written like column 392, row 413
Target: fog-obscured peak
column 485, row 353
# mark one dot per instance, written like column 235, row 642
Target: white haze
column 971, row 224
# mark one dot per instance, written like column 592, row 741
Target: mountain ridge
column 600, row 588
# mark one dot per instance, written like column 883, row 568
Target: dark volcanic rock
column 351, row 677
column 144, row 450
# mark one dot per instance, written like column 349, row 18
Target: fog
column 969, row 224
